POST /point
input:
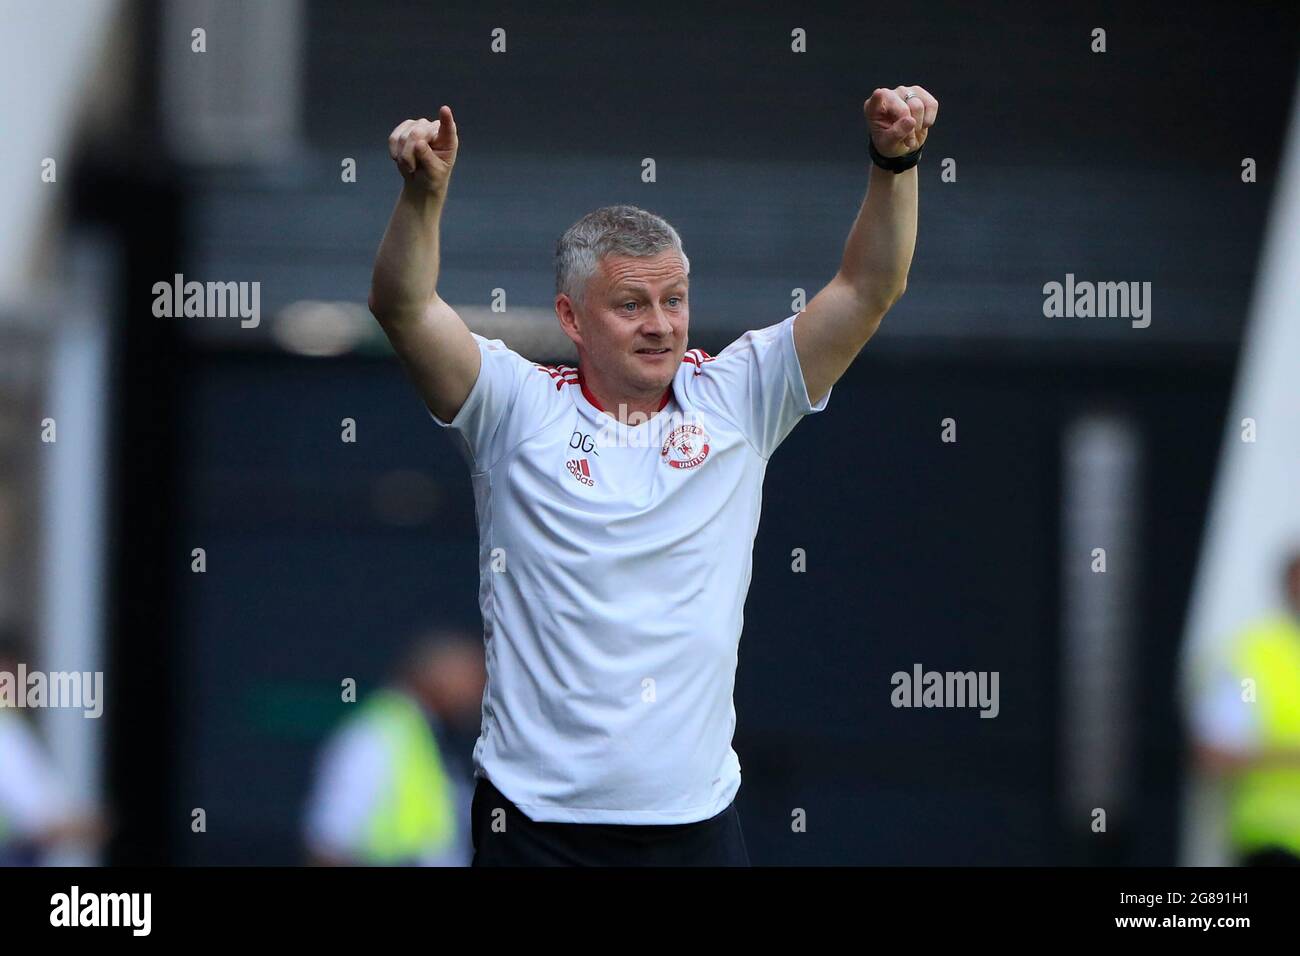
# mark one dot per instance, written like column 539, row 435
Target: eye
column 675, row 298
column 630, row 302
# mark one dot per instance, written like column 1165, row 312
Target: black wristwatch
column 895, row 164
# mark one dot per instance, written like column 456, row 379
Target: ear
column 568, row 316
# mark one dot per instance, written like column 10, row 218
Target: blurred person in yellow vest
column 1247, row 730
column 391, row 788
column 39, row 810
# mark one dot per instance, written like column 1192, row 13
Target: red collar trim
column 586, row 393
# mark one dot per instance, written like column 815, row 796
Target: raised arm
column 878, row 254
column 432, row 341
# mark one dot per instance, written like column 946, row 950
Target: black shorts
column 716, row 841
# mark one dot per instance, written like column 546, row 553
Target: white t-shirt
column 33, row 797
column 614, row 564
column 1222, row 719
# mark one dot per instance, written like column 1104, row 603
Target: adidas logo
column 580, row 469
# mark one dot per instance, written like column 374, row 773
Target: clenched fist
column 425, row 151
column 899, row 127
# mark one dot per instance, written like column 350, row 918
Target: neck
column 624, row 407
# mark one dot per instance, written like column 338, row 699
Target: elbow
column 380, row 307
column 877, row 305
column 882, row 303
column 875, row 298
column 894, row 294
column 375, row 303
column 394, row 306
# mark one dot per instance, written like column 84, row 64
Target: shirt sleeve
column 756, row 382
column 1220, row 718
column 349, row 782
column 509, row 401
column 32, row 796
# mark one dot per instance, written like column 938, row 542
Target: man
column 386, row 792
column 614, row 562
column 1247, row 730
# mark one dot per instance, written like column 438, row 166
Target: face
column 450, row 679
column 631, row 329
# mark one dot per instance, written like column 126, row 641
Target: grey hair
column 611, row 230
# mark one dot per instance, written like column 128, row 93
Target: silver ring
column 910, row 94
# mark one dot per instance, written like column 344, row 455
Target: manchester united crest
column 686, row 446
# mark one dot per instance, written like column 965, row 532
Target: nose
column 657, row 323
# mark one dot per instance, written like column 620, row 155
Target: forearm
column 405, row 277
column 878, row 252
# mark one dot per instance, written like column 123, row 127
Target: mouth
column 653, row 352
